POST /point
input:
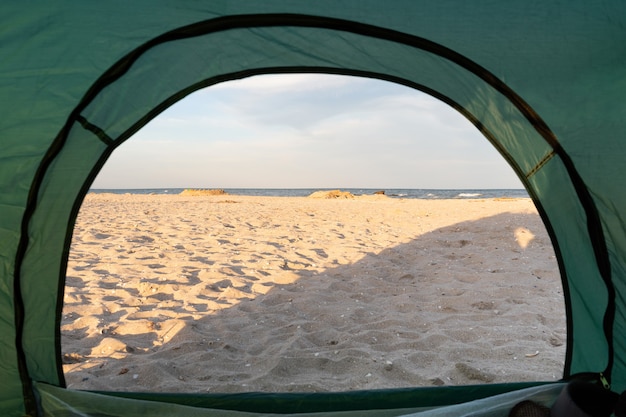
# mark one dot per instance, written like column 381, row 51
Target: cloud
column 308, row 131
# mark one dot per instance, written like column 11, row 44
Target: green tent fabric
column 543, row 81
column 60, row 402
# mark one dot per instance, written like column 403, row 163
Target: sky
column 308, row 131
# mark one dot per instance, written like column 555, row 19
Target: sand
column 227, row 293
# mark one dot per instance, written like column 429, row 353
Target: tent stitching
column 540, row 164
column 101, row 134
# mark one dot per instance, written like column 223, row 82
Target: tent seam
column 540, row 164
column 100, row 133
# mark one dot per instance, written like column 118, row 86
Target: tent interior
column 542, row 82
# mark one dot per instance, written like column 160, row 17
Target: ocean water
column 428, row 194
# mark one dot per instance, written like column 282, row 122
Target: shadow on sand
column 475, row 302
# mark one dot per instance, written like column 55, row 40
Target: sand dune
column 229, row 293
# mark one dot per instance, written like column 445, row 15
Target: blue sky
column 307, row 131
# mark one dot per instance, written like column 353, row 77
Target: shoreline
column 428, row 194
column 303, row 294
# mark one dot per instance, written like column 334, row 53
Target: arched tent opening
column 147, row 282
column 126, row 97
column 541, row 115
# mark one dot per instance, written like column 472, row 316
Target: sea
column 419, row 193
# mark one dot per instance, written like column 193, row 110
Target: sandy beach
column 227, row 293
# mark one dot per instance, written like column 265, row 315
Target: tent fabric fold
column 543, row 81
column 492, row 401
